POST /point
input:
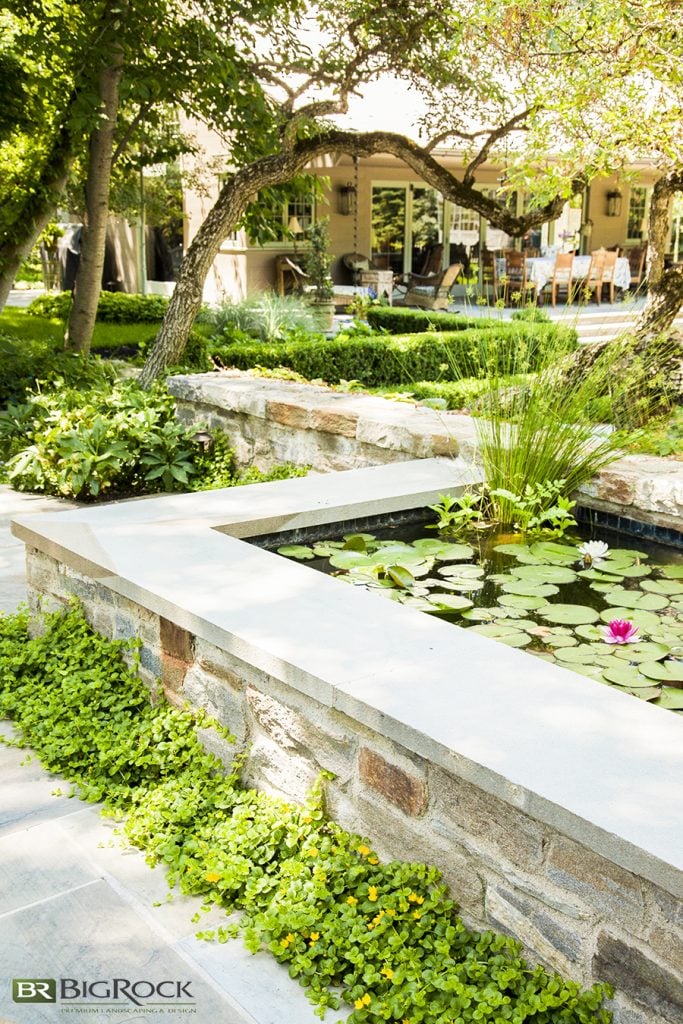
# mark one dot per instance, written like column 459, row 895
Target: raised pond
column 544, row 595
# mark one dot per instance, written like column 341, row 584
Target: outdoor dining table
column 540, row 271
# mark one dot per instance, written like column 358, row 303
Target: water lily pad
column 668, row 587
column 401, row 576
column 418, row 603
column 451, row 602
column 556, row 554
column 520, row 601
column 504, row 634
column 625, row 675
column 587, row 632
column 356, row 542
column 350, row 559
column 569, row 614
column 672, row 572
column 601, row 588
column 571, row 655
column 665, row 671
column 526, row 624
column 646, row 692
column 512, row 549
column 645, row 651
column 528, row 588
column 670, row 698
column 544, row 573
column 556, row 640
column 628, row 571
column 643, row 619
column 299, row 551
column 602, row 577
column 467, row 571
column 479, row 615
column 635, row 599
column 443, row 551
column 326, row 548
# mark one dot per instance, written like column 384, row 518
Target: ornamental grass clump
column 382, row 938
column 543, row 430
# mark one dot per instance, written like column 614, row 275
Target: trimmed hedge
column 113, row 307
column 402, row 320
column 389, row 360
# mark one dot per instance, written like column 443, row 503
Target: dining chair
column 562, row 278
column 593, row 280
column 489, row 271
column 609, row 266
column 516, row 281
column 636, row 260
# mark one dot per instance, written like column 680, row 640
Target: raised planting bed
column 551, row 802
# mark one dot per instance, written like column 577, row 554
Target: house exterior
column 378, row 207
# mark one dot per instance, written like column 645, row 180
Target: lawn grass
column 16, row 322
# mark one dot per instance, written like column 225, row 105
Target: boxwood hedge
column 402, row 320
column 513, row 347
column 113, row 307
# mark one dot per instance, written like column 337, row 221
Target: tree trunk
column 101, row 150
column 37, row 213
column 664, row 287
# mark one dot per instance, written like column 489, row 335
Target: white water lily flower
column 593, row 552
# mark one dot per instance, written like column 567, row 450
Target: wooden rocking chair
column 431, row 292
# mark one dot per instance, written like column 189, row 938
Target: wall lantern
column 346, row 199
column 614, row 204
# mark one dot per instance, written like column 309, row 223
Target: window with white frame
column 638, row 213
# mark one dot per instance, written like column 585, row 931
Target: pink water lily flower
column 620, row 631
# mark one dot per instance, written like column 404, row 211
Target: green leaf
column 634, row 599
column 527, row 588
column 670, row 698
column 569, row 614
column 401, row 576
column 300, row 551
column 544, row 573
column 451, row 602
column 665, row 671
column 520, row 601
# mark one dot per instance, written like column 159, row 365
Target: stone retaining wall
column 272, row 421
column 574, row 910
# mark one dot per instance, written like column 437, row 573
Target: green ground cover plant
column 382, row 938
column 390, row 360
column 266, row 316
column 110, row 441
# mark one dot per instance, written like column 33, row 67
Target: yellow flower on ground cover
column 387, row 972
column 287, row 941
column 351, row 900
column 213, row 876
column 363, row 850
column 373, row 860
column 313, row 852
column 414, row 898
column 362, row 1002
column 372, row 893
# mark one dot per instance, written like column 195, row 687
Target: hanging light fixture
column 614, row 203
column 346, row 199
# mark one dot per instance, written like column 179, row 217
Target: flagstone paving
column 77, row 904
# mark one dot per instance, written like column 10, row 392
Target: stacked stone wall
column 574, row 910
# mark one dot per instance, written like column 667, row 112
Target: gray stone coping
column 639, row 487
column 600, row 765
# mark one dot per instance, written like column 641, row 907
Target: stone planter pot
column 323, row 313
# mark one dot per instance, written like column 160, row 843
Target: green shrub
column 24, row 362
column 457, row 394
column 382, row 938
column 266, row 316
column 402, row 320
column 390, row 360
column 113, row 307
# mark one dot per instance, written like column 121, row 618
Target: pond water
column 542, row 595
